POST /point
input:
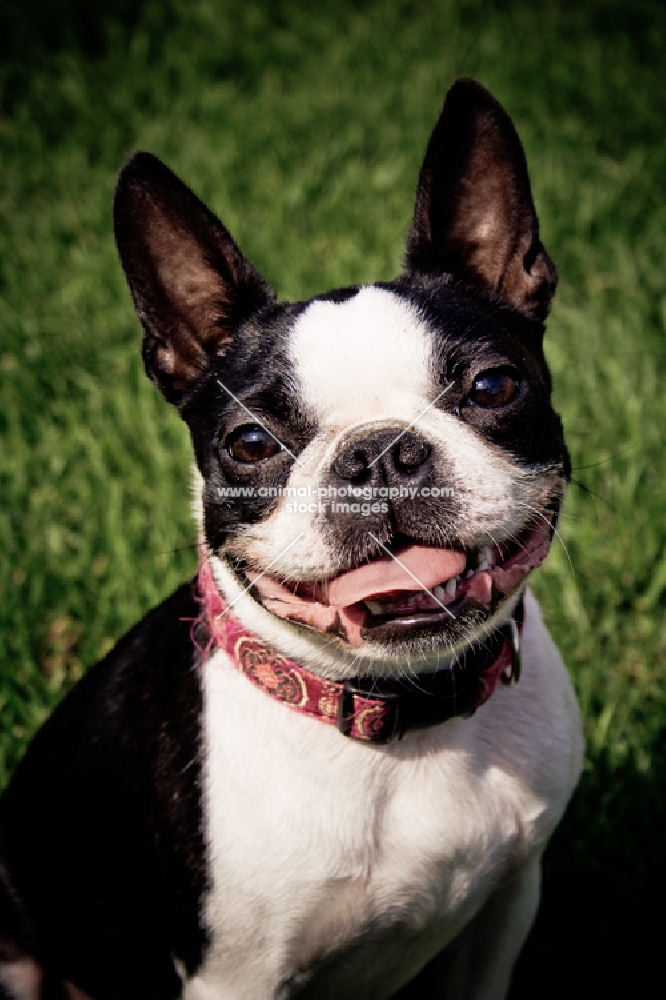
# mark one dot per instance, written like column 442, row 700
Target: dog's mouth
column 415, row 589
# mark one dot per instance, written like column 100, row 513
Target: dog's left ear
column 474, row 216
column 191, row 285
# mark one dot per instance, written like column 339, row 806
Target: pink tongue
column 416, row 567
column 332, row 605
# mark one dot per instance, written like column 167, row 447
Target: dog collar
column 368, row 709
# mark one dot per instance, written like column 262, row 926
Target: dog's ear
column 474, row 216
column 190, row 283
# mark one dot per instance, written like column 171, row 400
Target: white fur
column 364, row 359
column 320, row 846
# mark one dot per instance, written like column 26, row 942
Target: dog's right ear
column 190, row 283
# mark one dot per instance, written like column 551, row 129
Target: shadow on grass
column 31, row 31
column 52, row 25
column 600, row 929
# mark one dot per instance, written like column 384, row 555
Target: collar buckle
column 369, row 717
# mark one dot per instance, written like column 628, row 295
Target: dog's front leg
column 479, row 963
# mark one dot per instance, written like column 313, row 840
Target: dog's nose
column 389, row 454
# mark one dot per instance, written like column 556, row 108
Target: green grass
column 304, row 126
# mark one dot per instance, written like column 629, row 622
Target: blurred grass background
column 304, row 126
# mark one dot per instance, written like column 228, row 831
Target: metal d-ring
column 512, row 673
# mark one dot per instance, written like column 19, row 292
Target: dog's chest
column 322, row 849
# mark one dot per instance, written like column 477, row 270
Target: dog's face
column 380, row 466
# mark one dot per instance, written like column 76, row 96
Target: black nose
column 386, row 455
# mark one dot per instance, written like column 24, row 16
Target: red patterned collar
column 371, row 710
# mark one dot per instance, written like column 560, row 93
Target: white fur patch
column 368, row 358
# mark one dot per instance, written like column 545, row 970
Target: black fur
column 100, row 828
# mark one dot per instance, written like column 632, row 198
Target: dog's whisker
column 555, row 531
column 259, row 576
column 592, row 493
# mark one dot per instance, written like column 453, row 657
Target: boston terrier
column 328, row 767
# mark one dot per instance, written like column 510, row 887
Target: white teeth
column 470, row 572
column 485, row 559
column 374, row 607
column 446, row 591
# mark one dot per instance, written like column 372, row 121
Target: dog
column 330, row 767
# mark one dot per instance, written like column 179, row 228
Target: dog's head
column 379, row 468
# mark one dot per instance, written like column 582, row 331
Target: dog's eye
column 252, row 443
column 496, row 387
